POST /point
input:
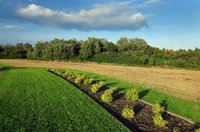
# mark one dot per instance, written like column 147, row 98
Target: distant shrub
column 79, row 79
column 159, row 121
column 107, row 95
column 97, row 86
column 88, row 81
column 128, row 113
column 132, row 94
column 157, row 109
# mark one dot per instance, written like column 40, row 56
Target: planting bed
column 143, row 117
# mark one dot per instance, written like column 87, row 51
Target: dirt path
column 176, row 82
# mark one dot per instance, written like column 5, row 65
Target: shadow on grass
column 143, row 93
column 7, row 68
column 164, row 104
column 4, row 68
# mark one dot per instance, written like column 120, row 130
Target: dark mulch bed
column 143, row 120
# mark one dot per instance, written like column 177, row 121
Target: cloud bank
column 113, row 16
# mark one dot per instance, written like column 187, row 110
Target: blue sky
column 170, row 24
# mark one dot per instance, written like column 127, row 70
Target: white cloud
column 114, row 16
column 7, row 26
column 148, row 3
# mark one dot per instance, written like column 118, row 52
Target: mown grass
column 36, row 100
column 185, row 108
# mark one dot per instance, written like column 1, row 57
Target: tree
column 9, row 51
column 1, row 52
column 123, row 44
column 86, row 50
column 39, row 49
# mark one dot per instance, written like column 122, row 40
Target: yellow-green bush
column 107, row 95
column 79, row 79
column 128, row 113
column 88, row 81
column 157, row 118
column 132, row 94
column 159, row 121
column 97, row 86
column 157, row 109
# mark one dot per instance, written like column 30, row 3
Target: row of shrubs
column 107, row 96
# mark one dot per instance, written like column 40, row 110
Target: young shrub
column 159, row 121
column 132, row 94
column 71, row 76
column 157, row 109
column 128, row 113
column 88, row 81
column 107, row 95
column 79, row 79
column 97, row 86
column 102, row 83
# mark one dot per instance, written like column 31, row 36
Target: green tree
column 38, row 52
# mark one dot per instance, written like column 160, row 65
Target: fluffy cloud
column 114, row 16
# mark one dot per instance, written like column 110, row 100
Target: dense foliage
column 126, row 51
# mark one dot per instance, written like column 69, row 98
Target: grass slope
column 185, row 108
column 34, row 99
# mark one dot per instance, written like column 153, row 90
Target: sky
column 171, row 24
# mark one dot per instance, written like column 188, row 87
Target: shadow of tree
column 143, row 93
column 4, row 68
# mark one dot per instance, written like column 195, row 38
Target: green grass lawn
column 36, row 100
column 185, row 108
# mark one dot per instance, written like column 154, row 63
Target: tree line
column 132, row 51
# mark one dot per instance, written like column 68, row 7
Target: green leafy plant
column 157, row 109
column 97, row 86
column 107, row 95
column 88, row 81
column 132, row 94
column 159, row 121
column 128, row 113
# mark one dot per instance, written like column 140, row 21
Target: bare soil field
column 180, row 83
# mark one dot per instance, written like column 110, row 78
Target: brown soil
column 143, row 120
column 180, row 83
